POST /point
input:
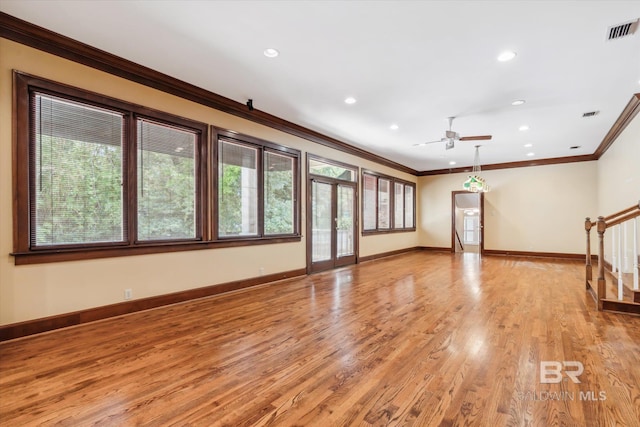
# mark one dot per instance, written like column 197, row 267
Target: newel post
column 588, row 267
column 602, row 288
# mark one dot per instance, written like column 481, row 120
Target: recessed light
column 531, row 154
column 506, row 56
column 523, row 128
column 452, row 163
column 393, row 127
column 350, row 100
column 518, row 102
column 528, row 145
column 271, row 52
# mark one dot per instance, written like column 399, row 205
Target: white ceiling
column 467, row 200
column 413, row 63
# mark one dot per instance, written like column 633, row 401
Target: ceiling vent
column 618, row 31
column 590, row 113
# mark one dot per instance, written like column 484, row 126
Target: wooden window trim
column 262, row 146
column 206, row 173
column 332, row 162
column 392, row 181
column 259, row 189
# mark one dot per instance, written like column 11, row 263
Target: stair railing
column 619, row 223
column 459, row 241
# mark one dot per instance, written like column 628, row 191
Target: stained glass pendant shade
column 475, row 183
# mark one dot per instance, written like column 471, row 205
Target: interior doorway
column 467, row 222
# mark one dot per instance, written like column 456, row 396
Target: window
column 279, row 194
column 77, row 173
column 398, row 197
column 166, row 181
column 237, row 190
column 332, row 170
column 257, row 188
column 370, row 189
column 98, row 177
column 384, row 198
column 387, row 203
column 471, row 231
column 409, row 202
column 81, row 190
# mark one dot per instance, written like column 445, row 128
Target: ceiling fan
column 451, row 137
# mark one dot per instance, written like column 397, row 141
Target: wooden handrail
column 623, row 219
column 459, row 241
column 622, row 212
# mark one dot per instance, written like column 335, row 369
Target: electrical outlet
column 127, row 294
column 261, row 271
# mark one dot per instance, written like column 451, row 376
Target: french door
column 332, row 224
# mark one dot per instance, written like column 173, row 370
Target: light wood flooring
column 422, row 339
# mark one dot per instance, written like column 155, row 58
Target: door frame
column 334, row 262
column 453, row 219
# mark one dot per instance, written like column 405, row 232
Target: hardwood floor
column 418, row 339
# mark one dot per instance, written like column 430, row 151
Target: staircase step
column 627, row 281
column 621, row 306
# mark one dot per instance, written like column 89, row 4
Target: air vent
column 622, row 30
column 590, row 113
column 574, row 147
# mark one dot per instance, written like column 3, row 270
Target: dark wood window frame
column 24, row 85
column 262, row 146
column 392, row 182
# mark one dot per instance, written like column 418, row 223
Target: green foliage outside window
column 230, row 200
column 166, row 197
column 78, row 192
column 278, row 206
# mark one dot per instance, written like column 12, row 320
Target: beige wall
column 538, row 208
column 544, row 217
column 619, row 188
column 35, row 291
column 619, row 172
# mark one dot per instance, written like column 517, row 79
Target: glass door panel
column 321, row 221
column 345, row 221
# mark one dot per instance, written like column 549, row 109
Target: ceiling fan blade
column 475, row 138
column 430, row 142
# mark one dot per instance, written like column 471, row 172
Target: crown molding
column 626, row 117
column 628, row 114
column 509, row 165
column 48, row 41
